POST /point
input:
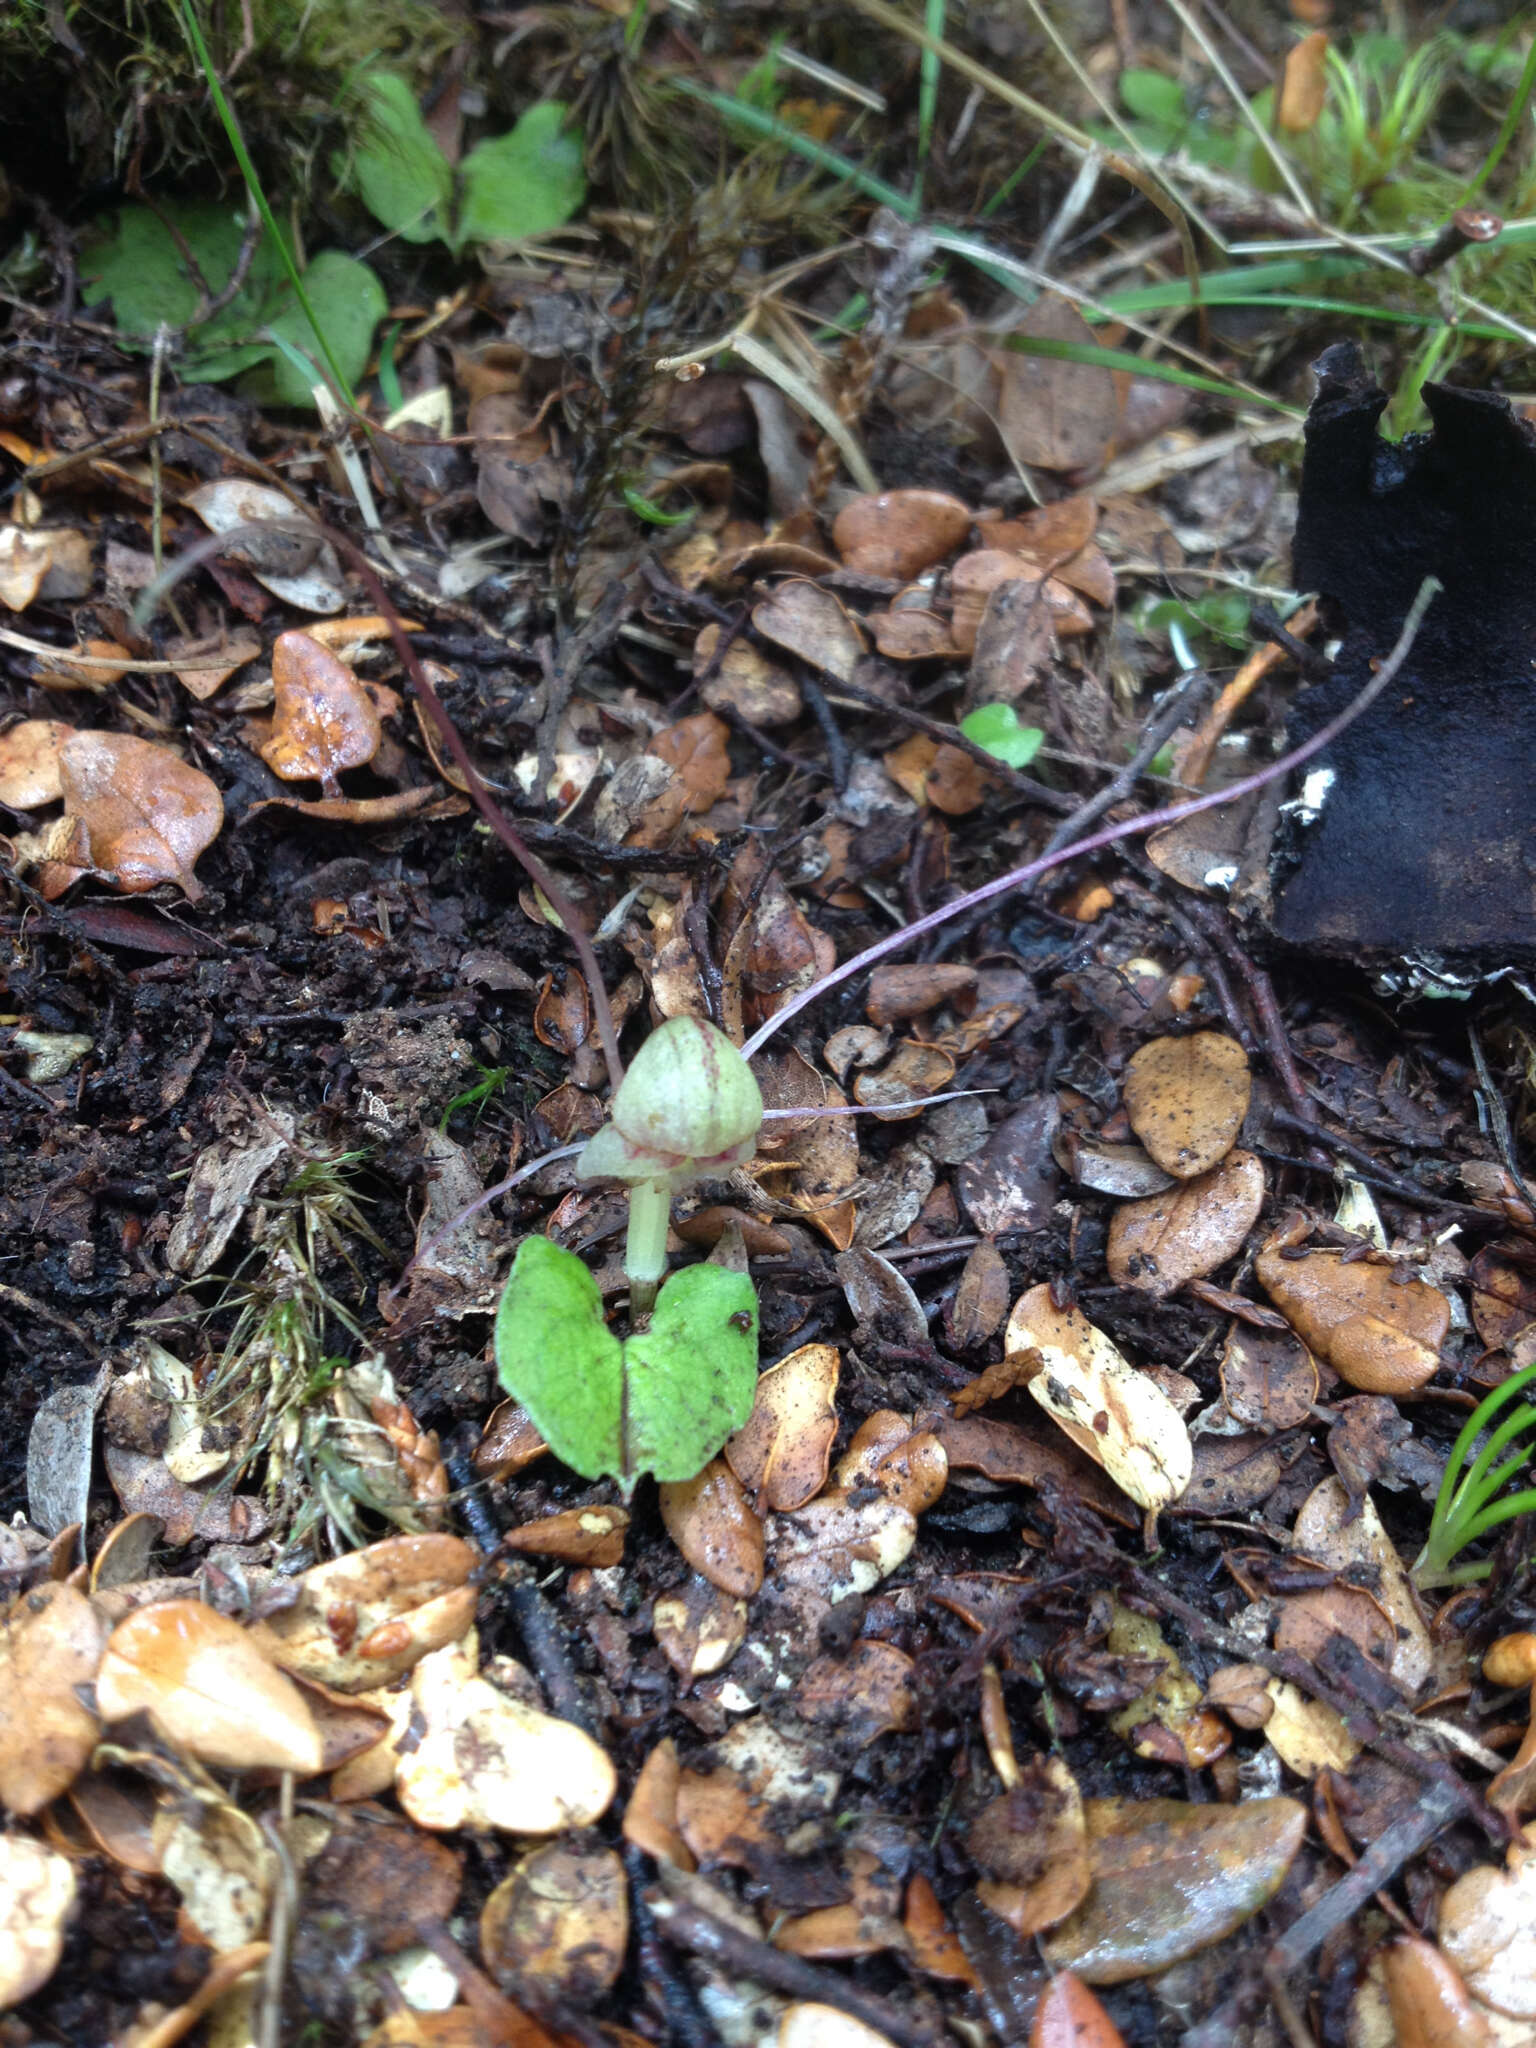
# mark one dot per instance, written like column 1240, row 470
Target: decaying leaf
column 485, row 1760
column 555, row 1931
column 291, row 559
column 808, row 621
column 781, row 1453
column 715, row 1527
column 650, row 1819
column 1167, row 1721
column 323, row 718
column 140, row 814
column 744, row 680
column 1378, row 1330
column 836, row 1548
column 221, row 1863
column 1120, row 1417
column 51, row 1642
column 29, row 763
column 43, row 561
column 870, row 1692
column 1057, row 414
column 899, row 533
column 364, row 1619
column 700, row 1628
column 1032, row 1843
column 1186, row 1098
column 1157, row 1244
column 1346, row 1535
column 1488, row 1930
column 591, row 1536
column 1169, row 1879
column 37, row 1901
column 208, row 1688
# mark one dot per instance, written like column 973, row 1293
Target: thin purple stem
column 1147, row 821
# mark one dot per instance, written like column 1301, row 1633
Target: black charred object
column 1416, row 837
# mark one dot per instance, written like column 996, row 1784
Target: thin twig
column 1165, row 720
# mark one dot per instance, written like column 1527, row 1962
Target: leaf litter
column 1076, row 1411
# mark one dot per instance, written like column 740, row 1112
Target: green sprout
column 491, row 1082
column 997, row 728
column 1468, row 1506
column 665, row 1399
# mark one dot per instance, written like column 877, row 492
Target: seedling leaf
column 664, row 1402
column 996, row 727
column 399, row 172
column 523, row 183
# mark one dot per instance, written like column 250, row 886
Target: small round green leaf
column 524, row 183
column 556, row 1355
column 692, row 1375
column 996, row 727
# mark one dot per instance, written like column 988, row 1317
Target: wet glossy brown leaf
column 1380, row 1334
column 591, row 1536
column 208, row 1688
column 324, row 720
column 37, row 1901
column 934, row 1946
column 650, row 1818
column 141, row 814
column 1169, row 1879
column 745, row 681
column 780, row 1453
column 1235, row 1474
column 1016, row 1456
column 1186, row 1099
column 50, row 1642
column 699, row 1628
column 870, row 1692
column 29, row 763
column 712, row 1523
column 1120, row 1417
column 1157, row 1244
column 562, row 1015
column 1430, row 2004
column 899, row 533
column 1069, row 2016
column 555, row 1931
column 485, row 1760
column 1503, row 1287
column 509, row 1443
column 1268, row 1380
column 806, row 620
column 364, row 1619
column 933, row 772
column 1308, row 1620
column 1056, row 414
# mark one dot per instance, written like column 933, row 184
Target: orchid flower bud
column 688, row 1106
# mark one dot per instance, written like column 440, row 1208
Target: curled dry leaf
column 140, row 814
column 323, row 718
column 555, row 1931
column 807, row 620
column 208, row 1688
column 898, row 534
column 650, row 1819
column 37, row 1900
column 780, row 1453
column 1186, row 1099
column 1032, row 1842
column 364, row 1619
column 1380, row 1333
column 29, row 763
column 1117, row 1415
column 1157, row 1244
column 299, row 566
column 1169, row 1879
column 485, row 1760
column 713, row 1524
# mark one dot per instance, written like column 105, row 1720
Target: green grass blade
column 927, row 91
column 1512, row 121
column 233, row 131
column 769, row 128
column 1142, row 366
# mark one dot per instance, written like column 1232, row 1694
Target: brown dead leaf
column 780, row 1453
column 198, row 650
column 713, row 1525
column 838, row 1548
column 933, row 1944
column 1503, row 1288
column 1168, row 1722
column 1157, row 1244
column 50, row 1643
column 35, row 561
column 913, row 1071
column 1169, row 1879
column 361, row 1620
column 1303, row 85
column 562, row 1015
column 807, row 620
column 1056, row 414
column 509, row 1442
column 140, row 814
column 744, row 681
column 1268, row 1379
column 1380, row 1332
column 699, row 1629
column 208, row 1689
column 324, row 719
column 1120, row 1417
column 897, row 994
column 979, row 1309
column 1186, row 1099
column 1488, row 1930
column 555, row 1931
column 870, row 1692
column 1048, row 534
column 695, row 749
column 912, row 631
column 899, row 533
column 1346, row 1535
column 37, row 1901
column 975, row 581
column 1016, row 1456
column 590, row 1536
column 1013, row 640
column 1428, row 1999
column 1031, row 1842
column 650, row 1819
column 29, row 763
